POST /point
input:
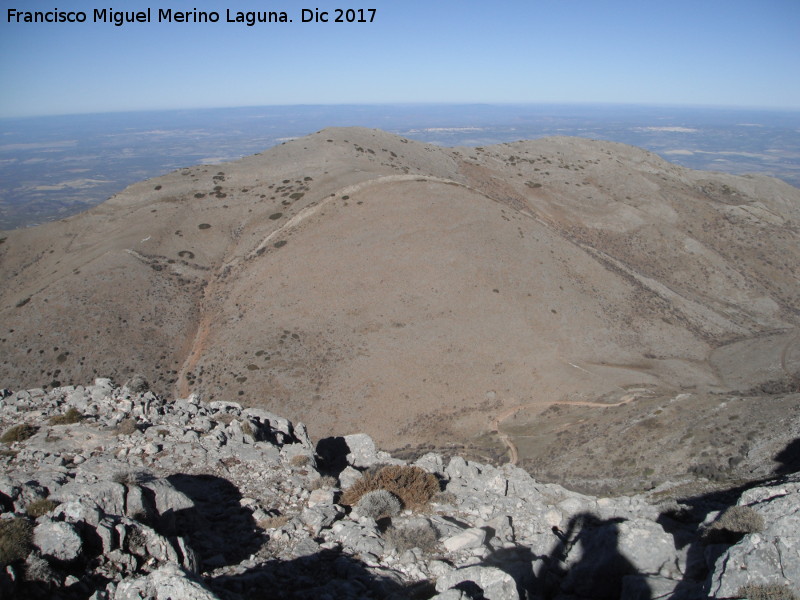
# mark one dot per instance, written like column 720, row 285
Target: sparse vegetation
column 733, row 524
column 131, row 477
column 73, row 415
column 765, row 592
column 39, row 507
column 299, row 460
column 137, row 384
column 378, row 503
column 18, row 433
column 127, row 427
column 413, row 485
column 444, row 498
column 15, row 539
column 324, row 482
column 420, row 535
column 274, row 522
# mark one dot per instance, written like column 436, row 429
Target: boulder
column 167, row 582
column 470, row 538
column 58, row 540
column 771, row 556
column 491, row 582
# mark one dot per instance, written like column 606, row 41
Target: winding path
column 792, row 340
column 512, row 448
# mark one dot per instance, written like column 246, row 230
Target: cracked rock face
column 140, row 497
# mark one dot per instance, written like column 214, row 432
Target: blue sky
column 703, row 52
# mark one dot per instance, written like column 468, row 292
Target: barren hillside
column 358, row 281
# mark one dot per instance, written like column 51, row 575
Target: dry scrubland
column 596, row 314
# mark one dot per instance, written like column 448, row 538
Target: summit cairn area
column 115, row 493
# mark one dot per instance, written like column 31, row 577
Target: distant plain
column 54, row 167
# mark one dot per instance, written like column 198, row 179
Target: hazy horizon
column 717, row 54
column 55, row 166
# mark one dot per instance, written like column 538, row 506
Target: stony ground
column 115, row 493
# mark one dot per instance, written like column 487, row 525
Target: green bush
column 18, row 433
column 15, row 539
column 413, row 485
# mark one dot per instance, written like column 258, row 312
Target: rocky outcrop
column 113, row 493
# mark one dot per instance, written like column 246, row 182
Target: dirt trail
column 513, row 453
column 792, row 340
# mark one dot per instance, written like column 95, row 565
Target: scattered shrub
column 765, row 592
column 131, row 477
column 733, row 525
column 138, row 384
column 444, row 498
column 378, row 503
column 275, row 522
column 326, row 481
column 127, row 426
column 15, row 539
column 299, row 460
column 38, row 569
column 39, row 507
column 413, row 485
column 73, row 415
column 420, row 535
column 18, row 433
column 135, row 539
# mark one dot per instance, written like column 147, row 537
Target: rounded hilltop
column 519, row 300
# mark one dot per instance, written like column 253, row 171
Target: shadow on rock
column 789, row 458
column 324, row 574
column 219, row 529
column 707, row 540
column 332, row 452
column 586, row 562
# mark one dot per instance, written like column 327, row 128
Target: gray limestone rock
column 470, row 538
column 240, row 483
column 493, row 583
column 167, row 582
column 363, row 452
column 58, row 540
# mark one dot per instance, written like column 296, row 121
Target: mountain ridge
column 361, row 281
